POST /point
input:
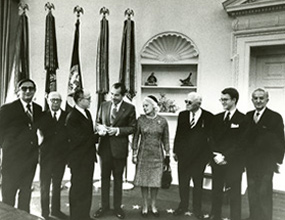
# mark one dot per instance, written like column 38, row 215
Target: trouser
column 18, row 179
column 115, row 166
column 51, row 172
column 234, row 189
column 186, row 171
column 260, row 189
column 80, row 194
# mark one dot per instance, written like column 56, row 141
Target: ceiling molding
column 236, row 8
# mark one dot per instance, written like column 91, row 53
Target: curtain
column 8, row 27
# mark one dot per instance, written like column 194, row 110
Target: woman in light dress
column 150, row 151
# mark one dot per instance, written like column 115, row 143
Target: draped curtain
column 8, row 27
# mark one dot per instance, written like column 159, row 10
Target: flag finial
column 129, row 12
column 104, row 11
column 23, row 7
column 49, row 6
column 77, row 9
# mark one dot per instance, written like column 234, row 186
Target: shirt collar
column 197, row 114
column 232, row 112
column 260, row 112
column 58, row 113
column 118, row 105
column 24, row 104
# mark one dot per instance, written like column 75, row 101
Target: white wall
column 205, row 22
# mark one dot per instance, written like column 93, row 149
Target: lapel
column 263, row 116
column 23, row 112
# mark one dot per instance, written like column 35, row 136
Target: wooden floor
column 168, row 200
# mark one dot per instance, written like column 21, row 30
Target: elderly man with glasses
column 192, row 151
column 53, row 155
column 18, row 139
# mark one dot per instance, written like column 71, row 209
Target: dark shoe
column 179, row 211
column 199, row 215
column 213, row 217
column 144, row 214
column 155, row 214
column 119, row 213
column 100, row 212
column 59, row 215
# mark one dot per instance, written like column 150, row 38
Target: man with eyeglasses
column 192, row 151
column 82, row 155
column 264, row 151
column 227, row 158
column 18, row 139
column 53, row 155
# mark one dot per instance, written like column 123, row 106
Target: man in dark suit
column 192, row 151
column 227, row 164
column 82, row 155
column 53, row 155
column 265, row 149
column 19, row 142
column 116, row 120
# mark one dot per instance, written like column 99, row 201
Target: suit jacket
column 54, row 148
column 18, row 136
column 125, row 121
column 192, row 144
column 81, row 137
column 264, row 141
column 226, row 139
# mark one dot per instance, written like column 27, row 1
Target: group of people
column 229, row 141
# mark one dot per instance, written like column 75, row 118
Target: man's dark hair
column 21, row 82
column 120, row 85
column 78, row 94
column 232, row 92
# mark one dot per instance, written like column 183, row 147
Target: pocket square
column 234, row 125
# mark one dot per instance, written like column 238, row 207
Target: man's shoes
column 59, row 215
column 155, row 214
column 199, row 215
column 213, row 217
column 144, row 214
column 179, row 211
column 100, row 212
column 119, row 213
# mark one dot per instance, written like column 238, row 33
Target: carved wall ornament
column 169, row 47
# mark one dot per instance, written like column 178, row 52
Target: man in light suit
column 227, row 163
column 53, row 155
column 265, row 149
column 192, row 151
column 116, row 120
column 82, row 155
column 19, row 142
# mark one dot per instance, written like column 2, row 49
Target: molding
column 169, row 47
column 236, row 8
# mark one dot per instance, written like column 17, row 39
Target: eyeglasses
column 224, row 100
column 55, row 100
column 188, row 102
column 89, row 98
column 26, row 88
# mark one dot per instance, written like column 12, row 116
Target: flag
column 51, row 60
column 127, row 66
column 20, row 66
column 75, row 79
column 102, row 62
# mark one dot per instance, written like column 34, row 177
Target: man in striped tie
column 18, row 139
column 192, row 151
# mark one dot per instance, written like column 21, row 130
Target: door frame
column 242, row 42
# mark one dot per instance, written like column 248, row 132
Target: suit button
column 32, row 142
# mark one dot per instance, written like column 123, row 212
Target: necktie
column 87, row 113
column 256, row 117
column 54, row 116
column 192, row 122
column 114, row 114
column 29, row 112
column 227, row 118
